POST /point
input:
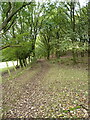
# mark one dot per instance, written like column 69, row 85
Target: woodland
column 50, row 42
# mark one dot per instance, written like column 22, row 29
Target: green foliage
column 45, row 29
column 40, row 50
column 22, row 50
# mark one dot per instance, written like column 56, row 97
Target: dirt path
column 30, row 90
column 45, row 90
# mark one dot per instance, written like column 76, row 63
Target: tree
column 49, row 28
column 28, row 20
column 82, row 27
column 10, row 13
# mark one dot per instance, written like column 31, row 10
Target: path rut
column 33, row 90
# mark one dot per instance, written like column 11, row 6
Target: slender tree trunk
column 20, row 61
column 73, row 28
column 58, row 45
column 24, row 62
column 33, row 49
column 74, row 55
column 48, row 50
column 17, row 62
column 48, row 54
column 29, row 59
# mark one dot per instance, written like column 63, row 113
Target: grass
column 67, row 74
column 68, row 83
column 2, row 70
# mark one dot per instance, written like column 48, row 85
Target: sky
column 82, row 2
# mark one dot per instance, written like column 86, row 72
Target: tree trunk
column 48, row 54
column 73, row 28
column 74, row 56
column 33, row 49
column 20, row 61
column 48, row 51
column 29, row 59
column 17, row 62
column 24, row 62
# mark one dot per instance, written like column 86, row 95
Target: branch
column 7, row 20
column 9, row 8
column 1, row 48
column 12, row 23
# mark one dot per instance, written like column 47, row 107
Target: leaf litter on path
column 53, row 91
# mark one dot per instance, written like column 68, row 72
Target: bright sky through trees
column 82, row 2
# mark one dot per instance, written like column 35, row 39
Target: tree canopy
column 34, row 30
